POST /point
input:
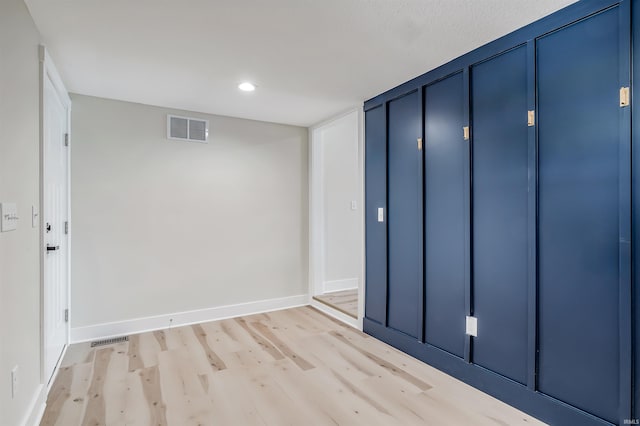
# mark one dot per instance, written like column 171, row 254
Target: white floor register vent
column 110, row 341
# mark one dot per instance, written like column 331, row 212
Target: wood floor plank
column 320, row 402
column 95, row 413
column 263, row 343
column 116, row 393
column 185, row 399
column 78, row 353
column 71, row 411
column 150, row 380
column 326, row 351
column 392, row 368
column 290, row 367
column 267, row 396
column 283, row 347
column 58, row 396
column 135, row 358
column 221, row 337
column 214, row 360
column 149, row 348
column 161, row 339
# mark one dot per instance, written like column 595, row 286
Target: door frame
column 48, row 71
column 316, row 217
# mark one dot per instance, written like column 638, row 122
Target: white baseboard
column 349, row 320
column 34, row 413
column 141, row 325
column 339, row 285
column 36, row 408
column 56, row 369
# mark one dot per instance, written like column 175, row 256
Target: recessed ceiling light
column 247, row 87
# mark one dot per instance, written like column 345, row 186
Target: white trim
column 39, row 401
column 316, row 209
column 51, row 70
column 340, row 285
column 48, row 71
column 56, row 369
column 36, row 408
column 349, row 320
column 160, row 322
column 316, row 216
column 363, row 208
column 317, row 258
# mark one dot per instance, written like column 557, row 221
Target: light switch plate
column 472, row 326
column 354, row 205
column 380, row 214
column 8, row 217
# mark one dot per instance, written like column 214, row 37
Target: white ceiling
column 311, row 59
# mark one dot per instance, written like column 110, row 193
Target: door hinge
column 531, row 118
column 624, row 96
column 465, row 133
column 66, row 315
column 66, row 227
column 66, row 139
column 419, row 144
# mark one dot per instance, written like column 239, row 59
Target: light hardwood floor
column 345, row 301
column 290, row 367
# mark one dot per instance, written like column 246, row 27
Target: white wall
column 162, row 226
column 336, row 169
column 19, row 183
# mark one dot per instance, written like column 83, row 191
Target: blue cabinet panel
column 578, row 258
column 376, row 197
column 405, row 215
column 444, row 217
column 500, row 196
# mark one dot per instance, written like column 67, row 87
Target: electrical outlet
column 14, row 382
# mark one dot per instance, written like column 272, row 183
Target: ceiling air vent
column 187, row 129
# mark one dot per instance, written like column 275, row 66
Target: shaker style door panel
column 444, row 218
column 405, row 215
column 500, row 203
column 578, row 256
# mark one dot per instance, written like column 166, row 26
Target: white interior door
column 55, row 220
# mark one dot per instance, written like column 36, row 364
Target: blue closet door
column 405, row 215
column 578, row 76
column 446, row 162
column 376, row 197
column 500, row 202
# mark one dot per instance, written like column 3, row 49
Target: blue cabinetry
column 580, row 149
column 404, row 215
column 500, row 212
column 446, row 162
column 375, row 199
column 518, row 211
